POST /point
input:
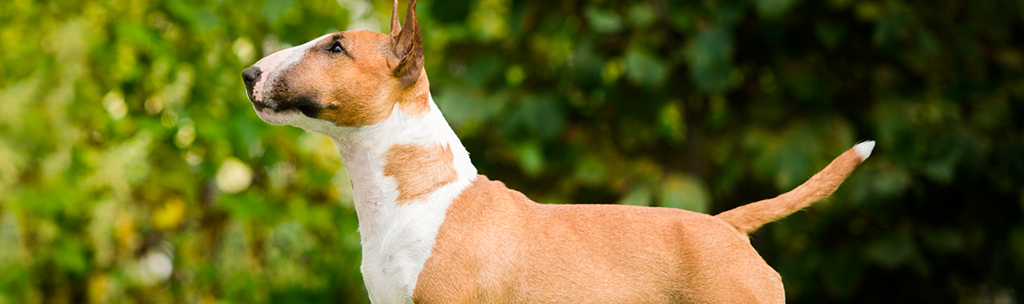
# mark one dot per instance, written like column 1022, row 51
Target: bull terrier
column 434, row 231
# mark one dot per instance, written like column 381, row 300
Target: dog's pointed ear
column 395, row 27
column 407, row 46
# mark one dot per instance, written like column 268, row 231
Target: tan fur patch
column 497, row 246
column 415, row 101
column 419, row 169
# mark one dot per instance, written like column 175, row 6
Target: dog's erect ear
column 395, row 27
column 406, row 44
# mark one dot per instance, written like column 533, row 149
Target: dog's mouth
column 277, row 117
column 302, row 104
column 261, row 106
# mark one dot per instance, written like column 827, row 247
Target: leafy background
column 133, row 169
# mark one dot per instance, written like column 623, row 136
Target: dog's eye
column 336, row 48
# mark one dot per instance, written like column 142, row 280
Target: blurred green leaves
column 603, row 21
column 644, row 69
column 710, row 59
column 683, row 192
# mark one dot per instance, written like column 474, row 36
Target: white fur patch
column 864, row 149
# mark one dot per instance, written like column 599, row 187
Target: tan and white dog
column 433, row 231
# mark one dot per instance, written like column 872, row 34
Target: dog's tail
column 749, row 217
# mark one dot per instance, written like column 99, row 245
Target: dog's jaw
column 271, row 116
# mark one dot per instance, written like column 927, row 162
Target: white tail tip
column 864, row 149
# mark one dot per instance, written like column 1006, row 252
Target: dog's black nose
column 249, row 76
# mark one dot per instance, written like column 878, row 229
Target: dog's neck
column 364, row 152
column 396, row 232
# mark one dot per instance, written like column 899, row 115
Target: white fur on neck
column 396, row 240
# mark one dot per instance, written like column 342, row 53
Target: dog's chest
column 397, row 243
column 391, row 271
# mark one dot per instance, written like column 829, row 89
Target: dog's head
column 349, row 79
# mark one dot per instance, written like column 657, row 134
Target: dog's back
column 500, row 247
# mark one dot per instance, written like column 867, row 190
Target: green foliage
column 133, row 169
